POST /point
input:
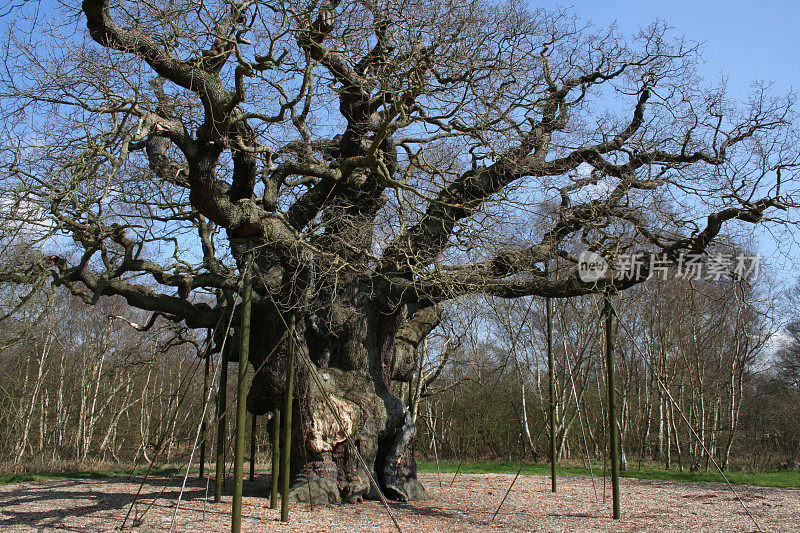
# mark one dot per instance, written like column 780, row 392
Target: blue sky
column 743, row 40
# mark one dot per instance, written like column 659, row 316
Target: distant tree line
column 711, row 345
column 81, row 386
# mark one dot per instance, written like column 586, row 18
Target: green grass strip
column 82, row 474
column 782, row 478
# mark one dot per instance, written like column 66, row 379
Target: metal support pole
column 203, row 425
column 222, row 420
column 253, row 447
column 276, row 458
column 551, row 371
column 241, row 395
column 608, row 312
column 287, row 425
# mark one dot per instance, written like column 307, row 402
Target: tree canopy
column 438, row 147
column 382, row 157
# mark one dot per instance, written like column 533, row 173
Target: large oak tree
column 381, row 157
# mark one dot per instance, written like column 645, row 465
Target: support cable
column 206, row 401
column 513, row 481
column 318, row 382
column 580, row 420
column 433, row 441
column 519, row 471
column 159, row 445
column 689, row 425
column 514, row 340
column 461, row 462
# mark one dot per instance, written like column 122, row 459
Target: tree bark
column 349, row 349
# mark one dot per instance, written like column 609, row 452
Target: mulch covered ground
column 467, row 506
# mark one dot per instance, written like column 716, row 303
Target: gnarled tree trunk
column 355, row 346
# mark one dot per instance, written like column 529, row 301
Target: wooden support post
column 608, row 312
column 241, row 394
column 276, row 458
column 222, row 420
column 551, row 371
column 203, row 425
column 286, row 474
column 253, row 447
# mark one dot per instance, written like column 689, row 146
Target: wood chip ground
column 99, row 505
